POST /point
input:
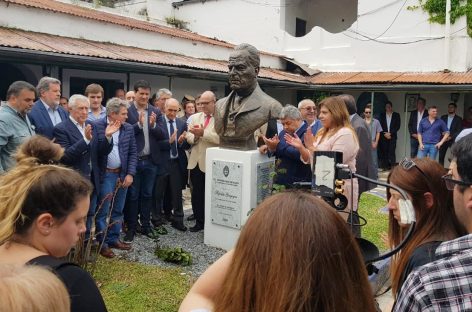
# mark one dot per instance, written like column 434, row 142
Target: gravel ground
column 202, row 255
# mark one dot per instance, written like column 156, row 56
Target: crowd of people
column 73, row 167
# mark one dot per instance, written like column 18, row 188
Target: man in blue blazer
column 114, row 161
column 147, row 123
column 75, row 135
column 290, row 169
column 173, row 165
column 46, row 112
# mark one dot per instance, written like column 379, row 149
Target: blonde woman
column 336, row 135
column 31, row 289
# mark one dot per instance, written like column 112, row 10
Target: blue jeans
column 116, row 217
column 140, row 195
column 429, row 150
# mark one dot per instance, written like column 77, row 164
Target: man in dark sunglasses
column 444, row 285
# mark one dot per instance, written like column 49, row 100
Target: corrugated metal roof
column 15, row 38
column 335, row 78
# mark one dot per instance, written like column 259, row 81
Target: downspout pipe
column 447, row 37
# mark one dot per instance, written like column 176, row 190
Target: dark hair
column 440, row 219
column 433, row 107
column 143, row 84
column 15, row 88
column 462, row 152
column 421, row 99
column 453, row 104
column 295, row 253
column 388, row 102
column 350, row 103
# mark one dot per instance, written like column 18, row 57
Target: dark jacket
column 364, row 161
column 41, row 121
column 394, row 124
column 291, row 168
column 413, row 121
column 101, row 148
column 155, row 134
column 76, row 150
column 456, row 126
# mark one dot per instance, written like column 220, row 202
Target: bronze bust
column 247, row 107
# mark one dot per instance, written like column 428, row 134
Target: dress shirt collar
column 76, row 123
column 47, row 107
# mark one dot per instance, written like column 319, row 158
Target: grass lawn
column 377, row 222
column 129, row 286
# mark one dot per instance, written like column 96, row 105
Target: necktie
column 173, row 146
column 207, row 121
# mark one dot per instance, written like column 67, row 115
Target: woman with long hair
column 338, row 135
column 295, row 253
column 435, row 218
column 43, row 208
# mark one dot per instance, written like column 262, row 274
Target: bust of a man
column 247, row 107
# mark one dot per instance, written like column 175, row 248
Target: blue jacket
column 155, row 134
column 290, row 162
column 164, row 145
column 76, row 150
column 40, row 119
column 101, row 148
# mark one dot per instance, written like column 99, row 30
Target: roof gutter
column 392, row 87
column 111, row 65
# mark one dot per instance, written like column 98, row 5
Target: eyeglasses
column 309, row 108
column 366, row 112
column 408, row 163
column 451, row 183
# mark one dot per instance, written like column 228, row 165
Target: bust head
column 243, row 69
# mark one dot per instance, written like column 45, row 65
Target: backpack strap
column 49, row 261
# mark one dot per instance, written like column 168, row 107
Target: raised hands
column 152, row 120
column 271, row 143
column 88, row 132
column 112, row 128
column 197, row 130
column 293, row 140
column 309, row 139
column 182, row 137
column 172, row 137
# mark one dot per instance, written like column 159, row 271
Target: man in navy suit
column 390, row 122
column 148, row 131
column 413, row 124
column 47, row 112
column 454, row 125
column 291, row 169
column 173, row 165
column 75, row 135
column 114, row 161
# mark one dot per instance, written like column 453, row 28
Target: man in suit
column 114, row 162
column 390, row 122
column 201, row 135
column 75, row 135
column 147, row 123
column 364, row 161
column 454, row 125
column 247, row 107
column 290, row 169
column 173, row 166
column 47, row 112
column 308, row 110
column 413, row 124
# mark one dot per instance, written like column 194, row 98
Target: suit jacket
column 256, row 110
column 294, row 169
column 155, row 134
column 394, row 124
column 40, row 119
column 413, row 121
column 456, row 126
column 165, row 146
column 364, row 161
column 101, row 148
column 209, row 139
column 316, row 126
column 77, row 153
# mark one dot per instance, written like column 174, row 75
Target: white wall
column 259, row 23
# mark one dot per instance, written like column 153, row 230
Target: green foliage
column 177, row 23
column 129, row 286
column 174, row 255
column 437, row 11
column 377, row 221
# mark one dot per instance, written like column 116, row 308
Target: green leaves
column 174, row 255
column 437, row 10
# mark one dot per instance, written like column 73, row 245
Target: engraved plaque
column 226, row 192
column 263, row 180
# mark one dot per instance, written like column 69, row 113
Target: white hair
column 77, row 98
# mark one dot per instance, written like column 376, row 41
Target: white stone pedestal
column 234, row 183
